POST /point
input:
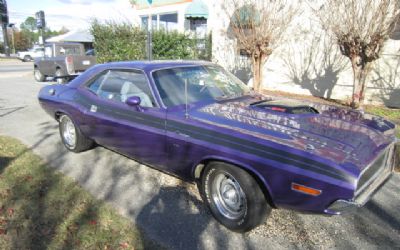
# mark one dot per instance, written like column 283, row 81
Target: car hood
column 338, row 134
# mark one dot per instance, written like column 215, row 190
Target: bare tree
column 258, row 27
column 361, row 29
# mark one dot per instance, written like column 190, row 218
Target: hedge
column 125, row 42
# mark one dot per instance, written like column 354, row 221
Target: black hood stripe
column 221, row 139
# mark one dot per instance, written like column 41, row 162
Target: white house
column 180, row 15
column 306, row 62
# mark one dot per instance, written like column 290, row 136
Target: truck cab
column 62, row 59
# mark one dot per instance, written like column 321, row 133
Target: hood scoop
column 284, row 106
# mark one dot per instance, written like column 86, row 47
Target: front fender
column 259, row 178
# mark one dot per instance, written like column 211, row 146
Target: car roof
column 154, row 65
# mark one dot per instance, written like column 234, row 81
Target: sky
column 72, row 14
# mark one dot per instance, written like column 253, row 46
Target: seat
column 130, row 89
column 111, row 89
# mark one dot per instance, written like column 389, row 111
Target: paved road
column 26, row 67
column 172, row 212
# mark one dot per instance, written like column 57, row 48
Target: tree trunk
column 360, row 73
column 258, row 62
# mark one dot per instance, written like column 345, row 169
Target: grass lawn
column 41, row 208
column 390, row 114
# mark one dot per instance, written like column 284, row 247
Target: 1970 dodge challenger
column 248, row 153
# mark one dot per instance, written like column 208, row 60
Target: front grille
column 380, row 166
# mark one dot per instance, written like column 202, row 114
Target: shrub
column 172, row 45
column 118, row 42
column 123, row 42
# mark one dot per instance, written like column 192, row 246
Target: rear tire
column 233, row 196
column 39, row 77
column 72, row 137
column 60, row 80
column 27, row 58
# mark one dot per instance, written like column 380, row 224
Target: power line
column 23, row 14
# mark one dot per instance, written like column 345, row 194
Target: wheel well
column 58, row 115
column 199, row 170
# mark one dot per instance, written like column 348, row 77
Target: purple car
column 248, row 153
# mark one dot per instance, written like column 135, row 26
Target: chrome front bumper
column 361, row 198
column 340, row 206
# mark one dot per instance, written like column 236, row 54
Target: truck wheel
column 39, row 77
column 72, row 137
column 60, row 80
column 234, row 197
column 27, row 58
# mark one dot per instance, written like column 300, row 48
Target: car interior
column 119, row 86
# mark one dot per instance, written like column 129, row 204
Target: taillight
column 69, row 59
column 69, row 62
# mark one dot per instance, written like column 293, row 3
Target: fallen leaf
column 124, row 245
column 10, row 212
column 73, row 227
column 3, row 231
column 92, row 222
column 46, row 232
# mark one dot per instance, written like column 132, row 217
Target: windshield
column 203, row 83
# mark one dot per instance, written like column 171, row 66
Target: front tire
column 234, row 197
column 39, row 77
column 71, row 136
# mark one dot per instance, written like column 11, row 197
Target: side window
column 119, row 85
column 94, row 86
column 48, row 51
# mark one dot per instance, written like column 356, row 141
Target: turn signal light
column 306, row 190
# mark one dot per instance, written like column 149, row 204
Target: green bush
column 118, row 42
column 172, row 45
column 124, row 42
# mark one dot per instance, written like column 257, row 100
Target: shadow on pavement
column 7, row 111
column 168, row 215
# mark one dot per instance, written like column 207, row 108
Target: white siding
column 308, row 62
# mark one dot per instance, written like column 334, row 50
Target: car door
column 138, row 132
column 46, row 63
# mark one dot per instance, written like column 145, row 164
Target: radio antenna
column 186, row 99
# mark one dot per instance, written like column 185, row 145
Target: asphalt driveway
column 171, row 212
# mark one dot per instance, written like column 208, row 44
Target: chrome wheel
column 68, row 132
column 228, row 196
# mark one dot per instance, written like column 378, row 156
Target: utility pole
column 4, row 23
column 12, row 25
column 40, row 24
column 149, row 44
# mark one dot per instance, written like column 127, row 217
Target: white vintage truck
column 30, row 55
